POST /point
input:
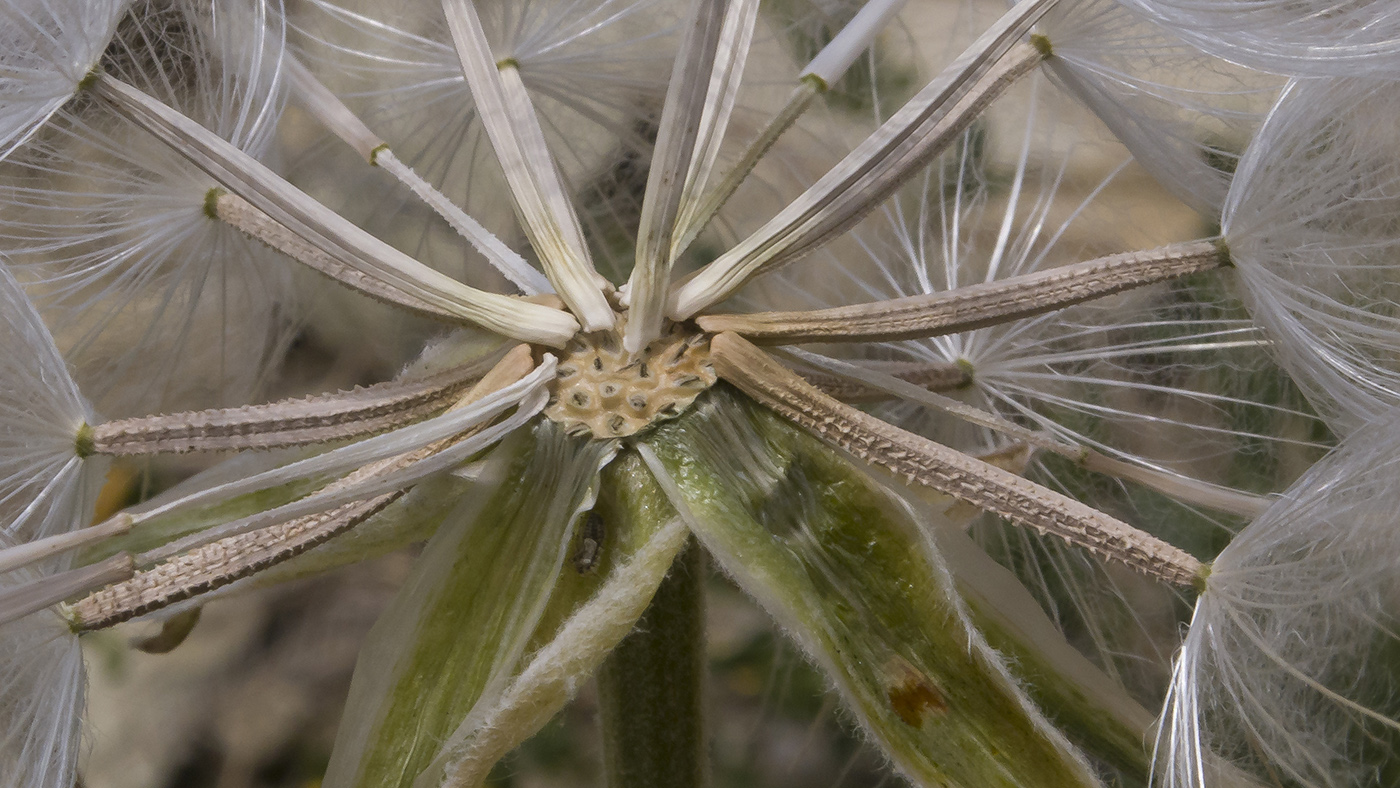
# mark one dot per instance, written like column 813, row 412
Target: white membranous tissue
column 956, row 393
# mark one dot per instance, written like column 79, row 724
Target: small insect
column 590, row 544
column 912, row 694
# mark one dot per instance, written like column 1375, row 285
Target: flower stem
column 651, row 688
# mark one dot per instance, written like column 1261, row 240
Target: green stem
column 651, row 688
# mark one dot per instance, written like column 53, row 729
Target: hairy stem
column 651, row 688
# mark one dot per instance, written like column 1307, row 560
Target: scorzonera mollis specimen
column 809, row 292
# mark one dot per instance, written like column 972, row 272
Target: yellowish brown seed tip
column 84, row 443
column 1202, row 576
column 89, row 79
column 1224, row 249
column 968, row 370
column 1042, row 45
column 211, row 202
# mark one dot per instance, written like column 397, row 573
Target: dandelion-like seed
column 573, row 449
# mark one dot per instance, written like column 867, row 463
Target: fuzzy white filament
column 47, row 48
column 153, row 305
column 1184, row 115
column 42, row 682
column 45, row 487
column 1288, row 669
column 1304, row 37
column 1310, row 222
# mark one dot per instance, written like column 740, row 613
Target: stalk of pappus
column 521, row 394
column 28, row 553
column 917, row 460
column 33, row 595
column 341, row 121
column 355, row 247
column 1074, row 377
column 218, row 556
column 1175, row 485
column 536, row 187
column 325, row 418
column 823, row 71
column 590, row 68
column 704, row 84
column 974, row 306
column 920, row 130
column 391, row 473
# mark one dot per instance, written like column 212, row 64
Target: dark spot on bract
column 911, row 693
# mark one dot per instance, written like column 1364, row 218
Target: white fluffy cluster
column 1289, row 665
